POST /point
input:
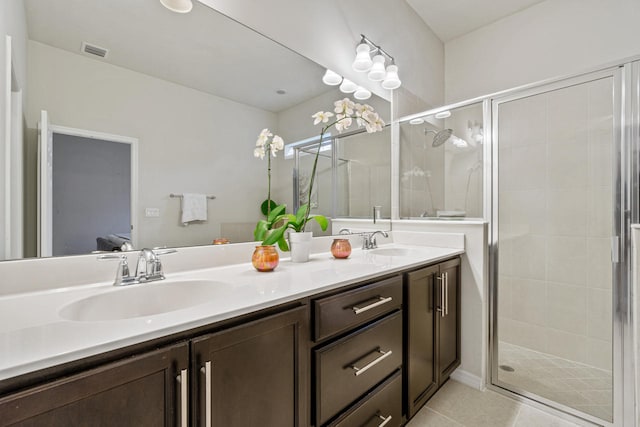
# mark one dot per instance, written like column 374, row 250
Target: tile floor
column 457, row 405
column 583, row 387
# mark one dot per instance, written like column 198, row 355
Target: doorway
column 87, row 191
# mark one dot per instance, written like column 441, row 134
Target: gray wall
column 91, row 192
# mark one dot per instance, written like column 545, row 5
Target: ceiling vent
column 94, row 50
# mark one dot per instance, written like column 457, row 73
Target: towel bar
column 179, row 196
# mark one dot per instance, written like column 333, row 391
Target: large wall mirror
column 161, row 104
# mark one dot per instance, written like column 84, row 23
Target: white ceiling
column 203, row 50
column 452, row 18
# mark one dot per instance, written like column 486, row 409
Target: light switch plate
column 152, row 212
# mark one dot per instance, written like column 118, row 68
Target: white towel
column 194, row 207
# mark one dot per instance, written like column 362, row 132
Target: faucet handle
column 345, row 231
column 123, row 276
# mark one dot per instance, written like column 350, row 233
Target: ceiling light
column 362, row 94
column 391, row 80
column 363, row 62
column 348, row 86
column 377, row 72
column 179, row 6
column 417, row 121
column 331, row 78
column 443, row 114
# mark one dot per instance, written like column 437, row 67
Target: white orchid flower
column 277, row 142
column 259, row 152
column 322, row 116
column 344, row 106
column 374, row 122
column 263, row 137
column 343, row 122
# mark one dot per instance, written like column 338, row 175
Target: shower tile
column 528, row 168
column 529, row 256
column 599, row 268
column 505, row 293
column 567, row 165
column 566, row 308
column 567, row 260
column 528, row 302
column 525, row 210
column 599, row 355
column 598, row 397
column 600, row 160
column 528, row 335
column 567, row 345
column 600, row 212
column 527, row 119
column 600, row 103
column 565, row 212
column 567, row 115
column 599, row 320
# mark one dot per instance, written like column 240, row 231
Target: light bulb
column 391, row 80
column 362, row 94
column 377, row 72
column 331, row 78
column 363, row 62
column 178, row 6
column 348, row 86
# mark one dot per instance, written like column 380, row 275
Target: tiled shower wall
column 555, row 222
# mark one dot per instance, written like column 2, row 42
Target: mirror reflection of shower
column 441, row 164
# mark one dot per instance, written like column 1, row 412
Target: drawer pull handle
column 365, row 368
column 184, row 387
column 385, row 421
column 206, row 370
column 381, row 300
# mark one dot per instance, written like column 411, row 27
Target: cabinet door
column 420, row 356
column 448, row 319
column 254, row 374
column 139, row 391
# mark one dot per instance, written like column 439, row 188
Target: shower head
column 441, row 136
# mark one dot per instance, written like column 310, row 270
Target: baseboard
column 469, row 379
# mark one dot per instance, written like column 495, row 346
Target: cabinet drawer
column 353, row 365
column 383, row 406
column 341, row 312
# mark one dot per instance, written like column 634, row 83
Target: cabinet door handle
column 385, row 420
column 206, row 370
column 442, row 309
column 446, row 293
column 381, row 300
column 365, row 368
column 184, row 398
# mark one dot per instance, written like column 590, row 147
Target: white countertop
column 34, row 336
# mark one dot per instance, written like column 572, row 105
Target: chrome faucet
column 369, row 239
column 148, row 269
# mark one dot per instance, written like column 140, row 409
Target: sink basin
column 142, row 300
column 392, row 251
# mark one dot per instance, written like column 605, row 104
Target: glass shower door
column 554, row 218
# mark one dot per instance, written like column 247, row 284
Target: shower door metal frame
column 625, row 178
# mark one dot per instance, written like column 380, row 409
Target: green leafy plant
column 271, row 230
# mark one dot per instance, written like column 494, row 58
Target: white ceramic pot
column 300, row 245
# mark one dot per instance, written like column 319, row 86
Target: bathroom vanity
column 329, row 342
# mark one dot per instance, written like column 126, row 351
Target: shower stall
column 555, row 172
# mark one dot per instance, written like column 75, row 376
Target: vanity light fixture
column 376, row 67
column 331, row 78
column 443, row 114
column 178, row 6
column 348, row 86
column 361, row 94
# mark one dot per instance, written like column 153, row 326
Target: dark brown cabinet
column 139, row 391
column 254, row 374
column 359, row 355
column 432, row 330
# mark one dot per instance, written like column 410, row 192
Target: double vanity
column 362, row 341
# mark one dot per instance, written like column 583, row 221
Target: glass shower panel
column 555, row 222
column 321, row 197
column 441, row 162
column 363, row 174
